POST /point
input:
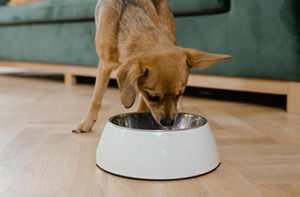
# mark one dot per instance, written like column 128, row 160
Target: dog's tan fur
column 138, row 36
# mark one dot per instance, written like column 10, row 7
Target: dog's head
column 161, row 79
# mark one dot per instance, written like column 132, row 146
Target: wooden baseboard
column 291, row 89
column 239, row 84
column 293, row 98
column 54, row 68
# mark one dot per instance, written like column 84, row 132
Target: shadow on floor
column 34, row 75
column 270, row 100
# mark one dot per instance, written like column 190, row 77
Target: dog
column 139, row 38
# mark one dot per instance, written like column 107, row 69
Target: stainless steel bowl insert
column 145, row 121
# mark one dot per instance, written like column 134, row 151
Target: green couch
column 263, row 36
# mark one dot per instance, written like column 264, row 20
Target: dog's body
column 139, row 37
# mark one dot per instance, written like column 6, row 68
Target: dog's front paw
column 84, row 126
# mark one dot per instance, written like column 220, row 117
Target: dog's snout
column 167, row 122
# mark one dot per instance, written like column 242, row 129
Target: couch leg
column 293, row 98
column 69, row 79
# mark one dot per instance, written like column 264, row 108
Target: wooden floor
column 39, row 156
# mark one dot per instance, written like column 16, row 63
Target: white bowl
column 133, row 145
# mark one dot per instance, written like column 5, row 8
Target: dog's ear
column 199, row 59
column 127, row 77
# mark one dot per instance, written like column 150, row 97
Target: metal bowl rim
column 155, row 130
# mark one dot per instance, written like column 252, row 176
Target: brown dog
column 139, row 37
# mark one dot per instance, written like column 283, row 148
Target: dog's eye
column 153, row 98
column 178, row 95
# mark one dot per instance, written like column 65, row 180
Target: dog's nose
column 167, row 122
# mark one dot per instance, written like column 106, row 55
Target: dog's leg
column 180, row 104
column 103, row 76
column 107, row 16
column 142, row 106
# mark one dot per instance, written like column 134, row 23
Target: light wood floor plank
column 39, row 156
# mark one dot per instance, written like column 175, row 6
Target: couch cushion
column 3, row 2
column 47, row 11
column 198, row 7
column 66, row 10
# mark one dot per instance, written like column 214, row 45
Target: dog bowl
column 133, row 145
